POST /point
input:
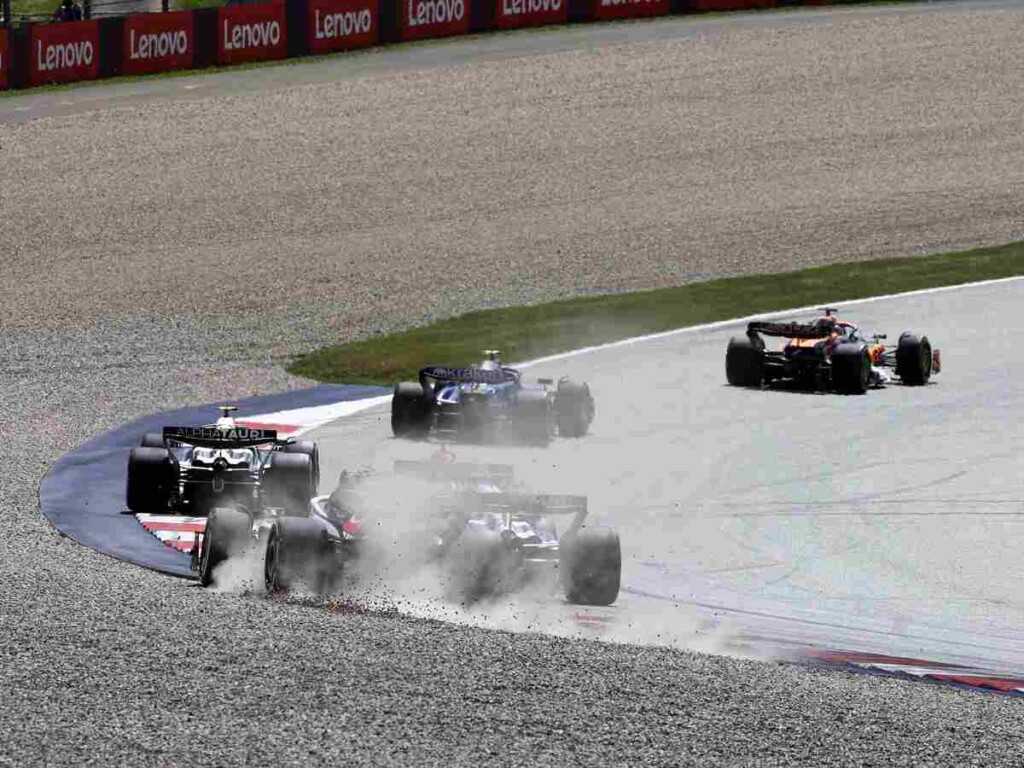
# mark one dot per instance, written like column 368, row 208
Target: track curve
column 887, row 523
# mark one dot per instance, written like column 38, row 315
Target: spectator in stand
column 69, row 11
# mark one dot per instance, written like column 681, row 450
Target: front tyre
column 574, row 408
column 410, row 411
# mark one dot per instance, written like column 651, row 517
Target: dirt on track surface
column 168, row 252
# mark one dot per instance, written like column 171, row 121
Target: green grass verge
column 523, row 333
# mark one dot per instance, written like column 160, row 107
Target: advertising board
column 341, row 25
column 156, row 42
column 63, row 52
column 4, row 63
column 604, row 10
column 433, row 18
column 510, row 14
column 251, row 33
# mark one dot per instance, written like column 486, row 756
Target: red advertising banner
column 340, row 25
column 743, row 5
column 64, row 52
column 627, row 9
column 4, row 64
column 509, row 14
column 251, row 33
column 434, row 18
column 157, row 42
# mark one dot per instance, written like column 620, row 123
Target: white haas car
column 225, row 465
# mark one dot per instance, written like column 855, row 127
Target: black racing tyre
column 227, row 533
column 590, row 566
column 478, row 566
column 297, row 556
column 153, row 440
column 309, row 448
column 534, row 417
column 913, row 359
column 574, row 408
column 744, row 361
column 851, row 369
column 410, row 411
column 152, row 480
column 288, row 482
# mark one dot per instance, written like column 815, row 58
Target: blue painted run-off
column 83, row 494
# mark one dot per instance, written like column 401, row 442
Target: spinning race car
column 489, row 402
column 488, row 540
column 828, row 354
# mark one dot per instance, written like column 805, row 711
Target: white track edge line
column 362, row 405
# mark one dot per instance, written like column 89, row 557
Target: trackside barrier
column 39, row 54
column 606, row 10
column 341, row 25
column 4, row 59
column 64, row 53
column 251, row 33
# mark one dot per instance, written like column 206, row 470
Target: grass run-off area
column 523, row 333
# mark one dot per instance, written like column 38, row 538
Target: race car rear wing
column 436, row 472
column 214, row 437
column 790, row 330
column 468, row 375
column 535, row 503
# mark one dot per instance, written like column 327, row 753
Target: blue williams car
column 489, row 402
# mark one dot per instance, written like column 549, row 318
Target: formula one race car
column 488, row 402
column 828, row 354
column 191, row 470
column 489, row 540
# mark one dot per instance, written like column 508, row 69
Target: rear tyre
column 308, row 448
column 744, row 361
column 410, row 411
column 153, row 440
column 288, row 482
column 574, row 409
column 913, row 359
column 851, row 369
column 477, row 566
column 152, row 480
column 227, row 533
column 534, row 417
column 590, row 566
column 296, row 556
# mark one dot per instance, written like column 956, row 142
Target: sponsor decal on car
column 434, row 18
column 251, row 33
column 624, row 9
column 64, row 53
column 509, row 14
column 156, row 42
column 341, row 25
column 219, row 434
column 3, row 59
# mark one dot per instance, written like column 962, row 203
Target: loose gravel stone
column 175, row 253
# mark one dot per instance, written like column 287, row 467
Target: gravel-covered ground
column 614, row 168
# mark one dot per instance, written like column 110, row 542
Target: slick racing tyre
column 152, row 480
column 227, row 533
column 534, row 417
column 296, row 557
column 479, row 566
column 744, row 361
column 574, row 408
column 590, row 566
column 153, row 440
column 851, row 369
column 913, row 359
column 289, row 482
column 410, row 411
column 308, row 448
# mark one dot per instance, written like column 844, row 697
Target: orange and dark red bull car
column 829, row 353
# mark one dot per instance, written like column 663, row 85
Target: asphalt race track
column 887, row 523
